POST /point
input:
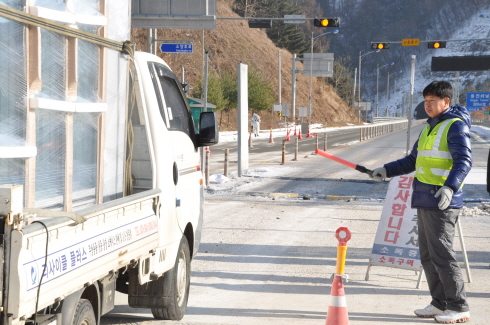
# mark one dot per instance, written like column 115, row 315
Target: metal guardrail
column 480, row 122
column 388, row 119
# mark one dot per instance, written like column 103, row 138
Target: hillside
column 366, row 21
column 233, row 42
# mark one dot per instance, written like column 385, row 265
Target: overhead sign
column 177, row 48
column 294, row 19
column 320, row 66
column 460, row 63
column 173, row 14
column 411, row 42
column 396, row 241
column 478, row 101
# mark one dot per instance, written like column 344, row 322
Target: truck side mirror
column 208, row 129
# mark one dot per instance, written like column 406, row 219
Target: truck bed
column 112, row 236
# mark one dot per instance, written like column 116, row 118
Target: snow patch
column 218, row 179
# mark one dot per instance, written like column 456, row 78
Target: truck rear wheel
column 176, row 286
column 84, row 314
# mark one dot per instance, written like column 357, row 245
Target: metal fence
column 481, row 122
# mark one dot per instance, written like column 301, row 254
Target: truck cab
column 100, row 168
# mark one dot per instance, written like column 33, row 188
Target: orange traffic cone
column 295, row 131
column 288, row 138
column 309, row 135
column 271, row 140
column 337, row 310
column 300, row 137
column 250, row 141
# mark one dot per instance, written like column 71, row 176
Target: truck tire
column 84, row 314
column 176, row 283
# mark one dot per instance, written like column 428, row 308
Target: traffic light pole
column 434, row 41
column 313, row 40
column 361, row 56
column 410, row 105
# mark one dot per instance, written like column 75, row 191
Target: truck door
column 186, row 164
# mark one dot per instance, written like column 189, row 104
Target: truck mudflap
column 113, row 235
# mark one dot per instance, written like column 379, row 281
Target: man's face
column 434, row 105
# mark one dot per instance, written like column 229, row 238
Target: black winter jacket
column 458, row 139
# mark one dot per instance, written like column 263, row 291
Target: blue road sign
column 477, row 101
column 176, row 48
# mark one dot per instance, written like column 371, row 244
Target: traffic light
column 436, row 45
column 380, row 46
column 326, row 22
column 260, row 24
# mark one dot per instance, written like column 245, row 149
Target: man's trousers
column 436, row 235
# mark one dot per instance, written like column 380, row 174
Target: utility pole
column 354, row 92
column 279, row 77
column 410, row 105
column 293, row 96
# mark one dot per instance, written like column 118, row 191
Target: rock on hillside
column 233, row 42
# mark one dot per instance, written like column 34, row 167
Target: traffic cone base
column 308, row 135
column 271, row 139
column 337, row 310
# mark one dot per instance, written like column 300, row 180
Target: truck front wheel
column 176, row 286
column 84, row 314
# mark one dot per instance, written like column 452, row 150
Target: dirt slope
column 233, row 42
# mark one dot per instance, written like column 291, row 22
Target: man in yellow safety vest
column 441, row 159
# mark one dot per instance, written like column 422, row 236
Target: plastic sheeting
column 50, row 160
column 119, row 30
column 50, row 149
column 13, row 88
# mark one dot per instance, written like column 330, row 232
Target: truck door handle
column 176, row 173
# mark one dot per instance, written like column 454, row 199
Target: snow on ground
column 482, row 131
column 476, row 176
column 230, row 136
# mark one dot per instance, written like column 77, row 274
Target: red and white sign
column 396, row 241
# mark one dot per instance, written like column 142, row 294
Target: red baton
column 360, row 168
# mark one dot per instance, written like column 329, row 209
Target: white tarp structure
column 62, row 130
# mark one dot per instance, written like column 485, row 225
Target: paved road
column 267, row 260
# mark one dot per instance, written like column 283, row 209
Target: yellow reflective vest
column 434, row 161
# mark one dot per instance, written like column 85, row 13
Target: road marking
column 339, row 197
column 293, row 195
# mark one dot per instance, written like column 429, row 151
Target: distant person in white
column 256, row 124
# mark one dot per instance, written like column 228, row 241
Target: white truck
column 100, row 161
